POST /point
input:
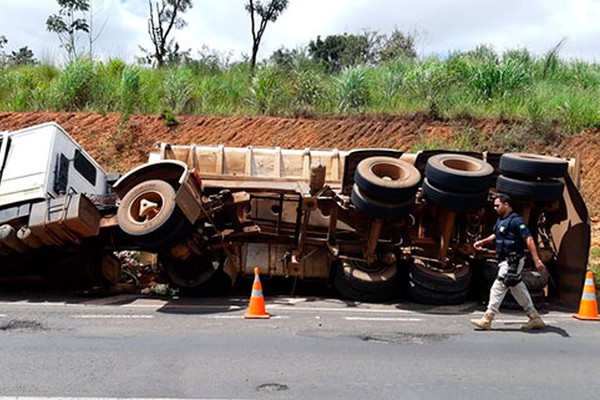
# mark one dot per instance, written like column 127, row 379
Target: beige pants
column 519, row 291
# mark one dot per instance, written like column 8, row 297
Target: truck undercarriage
column 374, row 222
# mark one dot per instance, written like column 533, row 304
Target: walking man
column 510, row 237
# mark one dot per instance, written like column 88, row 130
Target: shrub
column 75, row 87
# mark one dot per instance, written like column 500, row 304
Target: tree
column 397, row 45
column 3, row 42
column 267, row 12
column 339, row 51
column 22, row 57
column 92, row 37
column 66, row 24
column 165, row 17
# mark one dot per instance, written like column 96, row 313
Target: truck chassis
column 367, row 220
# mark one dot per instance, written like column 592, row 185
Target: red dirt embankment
column 121, row 149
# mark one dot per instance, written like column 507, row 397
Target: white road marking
column 146, row 303
column 386, row 319
column 521, row 321
column 109, row 398
column 347, row 310
column 109, row 316
column 2, row 315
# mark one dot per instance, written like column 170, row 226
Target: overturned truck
column 377, row 223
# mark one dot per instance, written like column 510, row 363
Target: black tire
column 377, row 209
column 535, row 280
column 431, row 297
column 163, row 223
column 191, row 272
column 387, row 179
column 218, row 284
column 547, row 190
column 459, row 173
column 83, row 270
column 453, row 200
column 197, row 276
column 537, row 297
column 440, row 281
column 490, row 271
column 355, row 280
column 532, row 165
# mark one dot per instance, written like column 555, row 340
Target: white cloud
column 442, row 26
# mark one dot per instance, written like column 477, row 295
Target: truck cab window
column 84, row 167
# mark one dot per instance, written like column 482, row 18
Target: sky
column 440, row 26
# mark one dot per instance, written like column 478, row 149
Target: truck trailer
column 376, row 223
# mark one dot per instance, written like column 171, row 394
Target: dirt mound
column 120, row 146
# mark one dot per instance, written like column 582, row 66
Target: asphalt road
column 132, row 347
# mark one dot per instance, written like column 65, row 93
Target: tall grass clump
column 308, row 89
column 26, row 88
column 129, row 89
column 497, row 78
column 75, row 87
column 177, row 90
column 352, row 89
column 387, row 85
column 578, row 110
column 268, row 91
column 430, row 83
column 225, row 92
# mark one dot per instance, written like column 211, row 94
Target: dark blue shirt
column 510, row 233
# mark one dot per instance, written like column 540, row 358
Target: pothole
column 404, row 338
column 22, row 325
column 272, row 387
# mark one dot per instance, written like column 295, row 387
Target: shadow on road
column 547, row 330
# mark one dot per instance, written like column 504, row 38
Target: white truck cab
column 43, row 162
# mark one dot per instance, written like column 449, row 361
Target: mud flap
column 572, row 236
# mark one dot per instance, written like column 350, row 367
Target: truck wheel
column 535, row 280
column 387, row 179
column 355, row 280
column 377, row 209
column 454, row 200
column 533, row 165
column 460, row 173
column 490, row 271
column 537, row 297
column 437, row 280
column 197, row 276
column 148, row 212
column 425, row 296
column 547, row 190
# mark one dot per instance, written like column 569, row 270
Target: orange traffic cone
column 588, row 307
column 257, row 307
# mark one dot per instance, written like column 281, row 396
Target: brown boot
column 484, row 322
column 535, row 321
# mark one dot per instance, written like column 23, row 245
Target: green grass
column 544, row 92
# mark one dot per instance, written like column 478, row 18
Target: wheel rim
column 389, row 172
column 146, row 207
column 460, row 164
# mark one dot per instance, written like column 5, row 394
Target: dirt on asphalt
column 119, row 146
